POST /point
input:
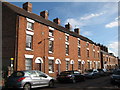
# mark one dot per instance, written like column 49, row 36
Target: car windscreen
column 65, row 73
column 89, row 71
column 117, row 72
column 17, row 74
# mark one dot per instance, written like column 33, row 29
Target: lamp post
column 44, row 47
column 11, row 62
column 44, row 56
column 10, row 69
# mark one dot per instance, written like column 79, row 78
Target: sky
column 97, row 21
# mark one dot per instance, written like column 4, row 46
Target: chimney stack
column 77, row 30
column 68, row 26
column 27, row 6
column 57, row 21
column 44, row 14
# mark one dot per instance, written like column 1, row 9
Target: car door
column 44, row 80
column 77, row 75
column 34, row 78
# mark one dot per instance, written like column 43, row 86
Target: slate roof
column 46, row 22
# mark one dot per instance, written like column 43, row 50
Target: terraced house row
column 32, row 42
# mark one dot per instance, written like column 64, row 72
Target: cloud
column 112, row 24
column 87, row 33
column 78, row 21
column 74, row 22
column 113, row 48
column 91, row 16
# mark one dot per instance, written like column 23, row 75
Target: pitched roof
column 46, row 22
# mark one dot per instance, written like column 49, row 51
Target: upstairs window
column 50, row 33
column 50, row 46
column 67, row 38
column 98, row 55
column 87, row 44
column 98, row 48
column 78, row 42
column 67, row 49
column 94, row 54
column 29, row 26
column 93, row 47
column 87, row 53
column 79, row 54
column 29, row 41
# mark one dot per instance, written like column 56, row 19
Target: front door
column 39, row 66
column 57, row 69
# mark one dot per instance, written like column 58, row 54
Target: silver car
column 29, row 79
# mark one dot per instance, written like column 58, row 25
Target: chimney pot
column 57, row 21
column 44, row 14
column 68, row 26
column 77, row 30
column 27, row 6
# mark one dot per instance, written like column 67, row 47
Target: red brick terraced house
column 32, row 42
column 108, row 60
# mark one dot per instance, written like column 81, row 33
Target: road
column 102, row 83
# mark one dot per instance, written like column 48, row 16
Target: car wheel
column 51, row 84
column 27, row 87
column 73, row 81
column 84, row 78
column 112, row 82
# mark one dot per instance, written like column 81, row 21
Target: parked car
column 115, row 77
column 107, row 71
column 102, row 72
column 91, row 73
column 29, row 79
column 70, row 76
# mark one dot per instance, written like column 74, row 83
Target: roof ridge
column 47, row 22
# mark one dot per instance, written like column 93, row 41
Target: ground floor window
column 82, row 68
column 94, row 65
column 51, row 66
column 72, row 66
column 28, row 64
column 79, row 65
column 98, row 65
column 67, row 65
column 91, row 65
column 88, row 65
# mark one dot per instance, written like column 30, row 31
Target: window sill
column 67, row 54
column 50, row 52
column 51, row 72
column 29, row 49
column 79, row 56
column 30, row 29
column 67, row 43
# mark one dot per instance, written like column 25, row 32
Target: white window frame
column 32, row 43
column 52, row 46
column 27, row 56
column 30, row 21
column 68, row 50
column 51, row 28
column 51, row 58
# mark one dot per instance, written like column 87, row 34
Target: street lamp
column 11, row 62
